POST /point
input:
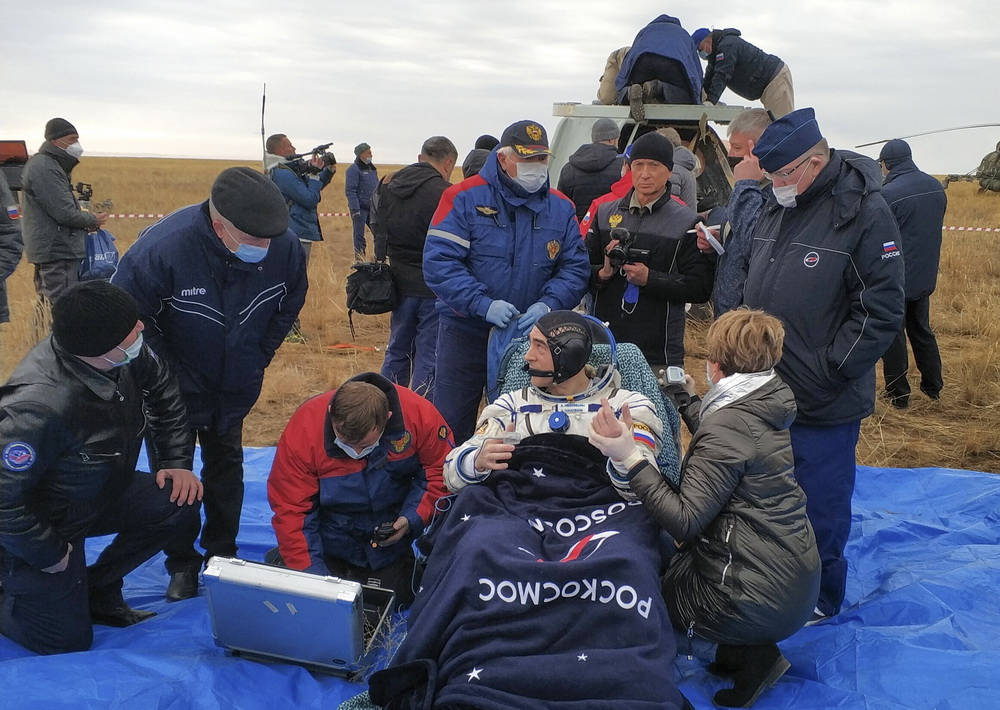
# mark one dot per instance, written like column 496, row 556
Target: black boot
column 183, row 585
column 109, row 609
column 728, row 660
column 761, row 667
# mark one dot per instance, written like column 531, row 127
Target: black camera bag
column 370, row 290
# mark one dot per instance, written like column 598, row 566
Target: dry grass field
column 961, row 430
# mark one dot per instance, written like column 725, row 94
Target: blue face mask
column 131, row 353
column 247, row 252
column 352, row 452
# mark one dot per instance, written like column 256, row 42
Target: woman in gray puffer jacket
column 746, row 573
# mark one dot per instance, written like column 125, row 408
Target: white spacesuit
column 534, row 411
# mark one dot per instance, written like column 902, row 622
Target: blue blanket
column 543, row 590
column 920, row 628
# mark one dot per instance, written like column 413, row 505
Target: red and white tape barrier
column 970, row 229
column 138, row 215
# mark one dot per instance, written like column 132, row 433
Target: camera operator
column 300, row 181
column 644, row 264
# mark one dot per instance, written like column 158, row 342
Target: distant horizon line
column 166, row 156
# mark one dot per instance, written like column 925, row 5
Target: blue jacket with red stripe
column 327, row 504
column 489, row 240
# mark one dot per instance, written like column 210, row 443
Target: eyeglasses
column 785, row 174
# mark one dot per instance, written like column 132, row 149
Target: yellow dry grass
column 962, row 430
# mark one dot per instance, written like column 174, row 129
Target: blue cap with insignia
column 788, row 138
column 527, row 138
column 699, row 34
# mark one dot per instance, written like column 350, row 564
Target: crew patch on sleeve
column 18, row 456
column 442, row 432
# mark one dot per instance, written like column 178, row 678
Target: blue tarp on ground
column 920, row 629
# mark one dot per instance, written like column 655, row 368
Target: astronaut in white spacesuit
column 565, row 394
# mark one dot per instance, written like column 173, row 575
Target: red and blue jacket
column 490, row 240
column 327, row 504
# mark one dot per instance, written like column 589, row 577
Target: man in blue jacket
column 218, row 287
column 301, row 182
column 826, row 261
column 360, row 182
column 750, row 72
column 502, row 247
column 918, row 202
column 661, row 67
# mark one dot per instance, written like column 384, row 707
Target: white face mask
column 786, row 194
column 703, row 54
column 74, row 149
column 531, row 175
column 131, row 353
column 355, row 453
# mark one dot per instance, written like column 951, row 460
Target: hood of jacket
column 684, row 158
column 593, row 157
column 405, row 182
column 66, row 161
column 717, row 35
column 773, row 402
column 854, row 176
column 902, row 167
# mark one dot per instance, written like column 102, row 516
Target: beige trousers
column 779, row 96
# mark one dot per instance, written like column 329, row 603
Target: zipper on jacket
column 729, row 531
column 90, row 458
column 690, row 641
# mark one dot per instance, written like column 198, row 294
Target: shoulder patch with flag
column 889, row 250
column 643, row 434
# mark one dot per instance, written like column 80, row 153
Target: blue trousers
column 359, row 223
column 49, row 613
column 413, row 334
column 460, row 375
column 825, row 466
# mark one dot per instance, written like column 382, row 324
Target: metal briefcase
column 265, row 612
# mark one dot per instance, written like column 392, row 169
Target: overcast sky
column 184, row 78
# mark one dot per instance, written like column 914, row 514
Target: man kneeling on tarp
column 747, row 572
column 565, row 394
column 354, row 481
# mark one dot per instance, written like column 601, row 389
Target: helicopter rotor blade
column 927, row 133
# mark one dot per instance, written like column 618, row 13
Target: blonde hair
column 745, row 340
column 357, row 408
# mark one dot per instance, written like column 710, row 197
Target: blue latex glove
column 500, row 312
column 534, row 312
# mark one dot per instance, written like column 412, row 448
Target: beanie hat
column 604, row 129
column 787, row 138
column 895, row 152
column 487, row 142
column 653, row 146
column 58, row 128
column 251, row 202
column 699, row 34
column 93, row 317
column 361, row 148
column 570, row 342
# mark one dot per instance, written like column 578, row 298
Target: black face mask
column 733, row 161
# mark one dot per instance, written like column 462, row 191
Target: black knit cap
column 570, row 342
column 58, row 128
column 653, row 146
column 487, row 142
column 251, row 202
column 93, row 317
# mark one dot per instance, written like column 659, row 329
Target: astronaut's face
column 539, row 357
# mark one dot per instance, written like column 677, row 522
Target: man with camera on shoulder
column 644, row 263
column 300, row 181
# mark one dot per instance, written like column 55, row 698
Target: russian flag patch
column 13, row 212
column 643, row 435
column 889, row 247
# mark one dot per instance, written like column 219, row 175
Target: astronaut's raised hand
column 613, row 436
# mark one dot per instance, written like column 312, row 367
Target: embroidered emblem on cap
column 811, row 259
column 486, row 210
column 534, row 132
column 398, row 445
column 553, row 249
column 18, row 456
column 614, row 220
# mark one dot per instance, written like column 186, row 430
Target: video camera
column 299, row 162
column 623, row 252
column 85, row 193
